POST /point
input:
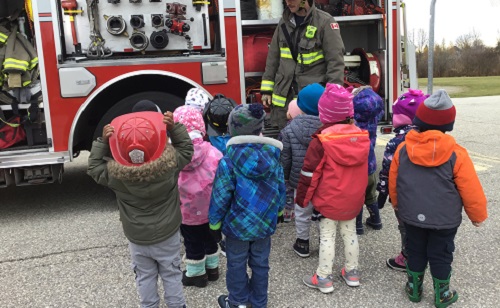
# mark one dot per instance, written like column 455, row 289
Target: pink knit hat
column 293, row 109
column 335, row 105
column 190, row 117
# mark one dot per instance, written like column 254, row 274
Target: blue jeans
column 242, row 289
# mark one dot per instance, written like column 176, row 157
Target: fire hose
column 96, row 47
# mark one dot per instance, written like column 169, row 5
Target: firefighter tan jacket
column 17, row 57
column 320, row 57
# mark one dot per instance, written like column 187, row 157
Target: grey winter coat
column 296, row 137
column 147, row 195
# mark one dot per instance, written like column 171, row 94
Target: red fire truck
column 97, row 58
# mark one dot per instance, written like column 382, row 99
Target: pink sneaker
column 397, row 263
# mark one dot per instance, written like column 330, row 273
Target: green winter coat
column 147, row 195
column 320, row 58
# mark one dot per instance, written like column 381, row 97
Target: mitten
column 281, row 218
column 216, row 234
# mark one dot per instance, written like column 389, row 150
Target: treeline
column 466, row 57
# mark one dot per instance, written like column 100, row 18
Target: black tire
column 166, row 102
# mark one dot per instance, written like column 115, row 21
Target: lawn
column 464, row 86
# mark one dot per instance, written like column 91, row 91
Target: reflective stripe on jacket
column 320, row 58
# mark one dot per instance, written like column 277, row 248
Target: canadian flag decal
column 334, row 25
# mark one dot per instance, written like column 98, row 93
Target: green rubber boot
column 442, row 293
column 414, row 285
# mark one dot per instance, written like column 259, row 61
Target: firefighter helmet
column 216, row 114
column 139, row 138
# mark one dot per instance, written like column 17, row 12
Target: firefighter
column 306, row 48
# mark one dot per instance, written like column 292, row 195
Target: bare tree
column 419, row 39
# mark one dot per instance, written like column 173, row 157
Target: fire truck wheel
column 166, row 102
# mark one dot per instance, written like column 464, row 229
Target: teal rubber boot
column 443, row 295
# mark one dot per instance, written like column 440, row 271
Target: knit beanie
column 246, row 119
column 335, row 105
column 191, row 118
column 145, row 105
column 405, row 107
column 293, row 109
column 197, row 98
column 308, row 97
column 436, row 113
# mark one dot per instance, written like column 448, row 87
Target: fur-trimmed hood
column 147, row 171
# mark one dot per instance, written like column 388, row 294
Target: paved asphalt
column 62, row 244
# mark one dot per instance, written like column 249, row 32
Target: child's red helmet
column 139, row 137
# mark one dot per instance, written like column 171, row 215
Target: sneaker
column 397, row 263
column 223, row 302
column 351, row 278
column 301, row 247
column 325, row 285
column 222, row 245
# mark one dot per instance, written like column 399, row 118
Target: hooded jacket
column 147, row 195
column 390, row 149
column 431, row 179
column 249, row 189
column 195, row 183
column 296, row 137
column 334, row 176
column 320, row 58
column 367, row 113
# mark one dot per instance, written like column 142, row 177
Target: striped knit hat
column 436, row 113
column 335, row 105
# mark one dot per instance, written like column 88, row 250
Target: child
column 195, row 187
column 403, row 112
column 368, row 110
column 334, row 179
column 431, row 179
column 145, row 105
column 143, row 176
column 296, row 136
column 216, row 114
column 247, row 197
column 197, row 98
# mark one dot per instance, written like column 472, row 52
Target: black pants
column 198, row 241
column 433, row 246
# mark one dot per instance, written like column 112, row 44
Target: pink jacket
column 334, row 176
column 195, row 183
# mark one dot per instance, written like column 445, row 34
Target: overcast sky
column 456, row 17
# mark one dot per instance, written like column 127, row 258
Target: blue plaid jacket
column 249, row 189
